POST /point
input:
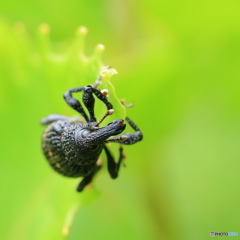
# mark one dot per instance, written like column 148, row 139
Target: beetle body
column 61, row 151
column 72, row 147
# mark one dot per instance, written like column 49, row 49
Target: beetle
column 72, row 147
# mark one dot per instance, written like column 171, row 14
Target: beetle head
column 87, row 137
column 116, row 127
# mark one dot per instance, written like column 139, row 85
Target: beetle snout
column 117, row 126
column 118, row 122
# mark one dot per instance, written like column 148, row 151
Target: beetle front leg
column 89, row 100
column 74, row 103
column 128, row 138
column 86, row 180
column 132, row 137
column 113, row 167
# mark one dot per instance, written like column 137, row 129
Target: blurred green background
column 179, row 62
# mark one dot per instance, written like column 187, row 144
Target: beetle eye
column 85, row 133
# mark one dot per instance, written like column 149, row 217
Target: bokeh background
column 179, row 62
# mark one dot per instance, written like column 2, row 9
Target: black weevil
column 72, row 147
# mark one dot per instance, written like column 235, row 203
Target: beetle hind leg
column 52, row 118
column 113, row 167
column 86, row 180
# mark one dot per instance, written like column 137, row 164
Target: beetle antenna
column 109, row 112
column 116, row 139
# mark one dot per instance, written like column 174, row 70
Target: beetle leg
column 89, row 100
column 130, row 138
column 113, row 167
column 52, row 118
column 85, row 181
column 74, row 103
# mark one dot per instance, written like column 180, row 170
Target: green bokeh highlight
column 178, row 62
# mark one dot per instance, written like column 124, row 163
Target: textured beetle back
column 53, row 150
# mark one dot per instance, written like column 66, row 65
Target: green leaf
column 106, row 75
column 38, row 75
